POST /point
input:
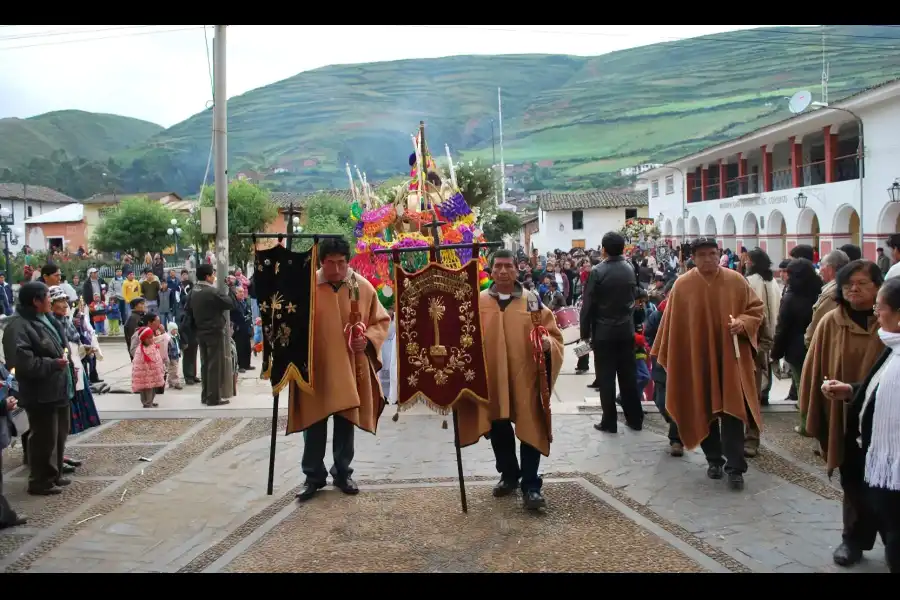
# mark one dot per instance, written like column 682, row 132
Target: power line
column 109, row 37
column 57, row 32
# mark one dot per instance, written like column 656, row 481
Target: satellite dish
column 800, row 102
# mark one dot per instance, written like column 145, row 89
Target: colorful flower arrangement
column 376, row 229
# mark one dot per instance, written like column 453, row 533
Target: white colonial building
column 797, row 181
column 569, row 220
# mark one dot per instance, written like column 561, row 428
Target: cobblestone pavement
column 171, row 495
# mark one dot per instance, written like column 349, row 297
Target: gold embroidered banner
column 440, row 350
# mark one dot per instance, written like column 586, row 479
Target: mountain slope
column 93, row 136
column 590, row 116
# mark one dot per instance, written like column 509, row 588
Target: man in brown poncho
column 346, row 361
column 706, row 343
column 506, row 322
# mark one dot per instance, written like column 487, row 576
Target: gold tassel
column 444, row 424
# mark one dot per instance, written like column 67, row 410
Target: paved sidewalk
column 203, row 494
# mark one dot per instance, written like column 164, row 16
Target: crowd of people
column 718, row 328
column 701, row 337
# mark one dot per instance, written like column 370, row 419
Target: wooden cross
column 435, row 227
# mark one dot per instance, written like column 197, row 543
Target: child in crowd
column 147, row 369
column 173, row 379
column 98, row 315
column 165, row 304
column 113, row 316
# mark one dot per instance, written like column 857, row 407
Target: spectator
column 117, row 293
column 242, row 320
column 165, row 307
column 35, row 346
column 8, row 517
column 150, row 287
column 138, row 308
column 852, row 251
column 7, row 295
column 206, row 309
column 97, row 310
column 93, row 286
column 893, row 242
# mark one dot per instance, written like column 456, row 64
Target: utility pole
column 493, row 155
column 220, row 135
column 502, row 166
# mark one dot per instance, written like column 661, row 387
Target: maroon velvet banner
column 440, row 356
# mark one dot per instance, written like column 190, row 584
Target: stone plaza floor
column 189, row 495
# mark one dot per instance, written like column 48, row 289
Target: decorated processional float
column 402, row 222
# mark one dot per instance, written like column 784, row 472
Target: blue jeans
column 503, row 442
column 643, row 375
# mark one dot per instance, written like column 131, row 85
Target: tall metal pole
column 502, row 165
column 220, row 134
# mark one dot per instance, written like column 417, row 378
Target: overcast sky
column 159, row 73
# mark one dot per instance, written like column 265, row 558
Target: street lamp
column 174, row 231
column 7, row 219
column 894, row 192
column 296, row 225
column 801, row 200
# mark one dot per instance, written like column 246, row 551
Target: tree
column 136, row 226
column 476, row 180
column 503, row 223
column 249, row 210
column 326, row 214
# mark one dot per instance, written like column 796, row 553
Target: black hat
column 704, row 242
column 136, row 301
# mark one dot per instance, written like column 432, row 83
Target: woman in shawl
column 84, row 411
column 845, row 347
column 872, row 442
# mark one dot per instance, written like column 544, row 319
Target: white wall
column 20, row 213
column 831, row 203
column 556, row 227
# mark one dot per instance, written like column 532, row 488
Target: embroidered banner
column 284, row 282
column 440, row 350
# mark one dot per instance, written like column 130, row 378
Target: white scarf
column 883, row 457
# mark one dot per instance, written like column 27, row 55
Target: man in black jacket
column 207, row 308
column 607, row 320
column 34, row 345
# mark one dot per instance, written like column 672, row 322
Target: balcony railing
column 846, row 168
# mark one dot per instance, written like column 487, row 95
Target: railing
column 846, row 168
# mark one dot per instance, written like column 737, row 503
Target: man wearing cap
column 706, row 343
column 93, row 285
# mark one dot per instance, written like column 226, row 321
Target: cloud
column 161, row 74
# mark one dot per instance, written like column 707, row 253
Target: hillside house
column 579, row 219
column 63, row 228
column 527, row 231
column 26, row 201
column 799, row 181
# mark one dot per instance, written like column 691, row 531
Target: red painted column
column 766, row 169
column 796, row 162
column 704, row 182
column 723, row 174
column 689, row 192
column 830, row 155
column 744, row 186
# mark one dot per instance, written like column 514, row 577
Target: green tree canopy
column 504, row 223
column 326, row 214
column 476, row 180
column 137, row 225
column 249, row 210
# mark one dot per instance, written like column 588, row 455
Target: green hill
column 92, row 136
column 589, row 115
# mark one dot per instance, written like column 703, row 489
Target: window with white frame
column 670, row 185
column 654, row 188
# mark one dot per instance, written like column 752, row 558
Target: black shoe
column 68, row 469
column 15, row 521
column 580, row 371
column 47, row 491
column 505, row 488
column 63, row 482
column 242, row 370
column 714, row 471
column 250, row 368
column 347, row 485
column 308, row 491
column 605, row 427
column 634, row 426
column 736, row 481
column 847, row 555
column 72, row 462
column 764, row 401
column 594, row 385
column 190, row 382
column 676, row 449
column 533, row 500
